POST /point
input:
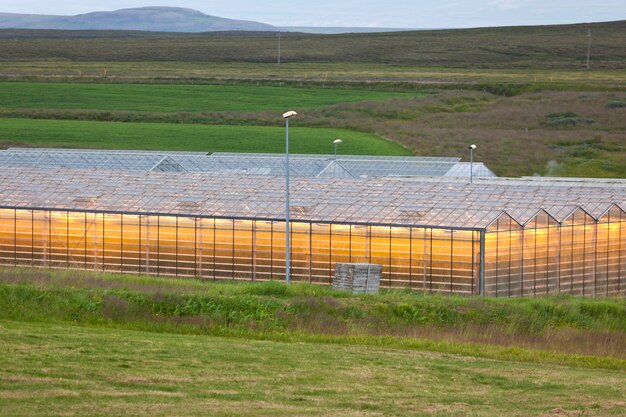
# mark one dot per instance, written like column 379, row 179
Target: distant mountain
column 154, row 19
column 329, row 30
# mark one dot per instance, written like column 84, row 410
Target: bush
column 503, row 89
column 616, row 104
column 568, row 118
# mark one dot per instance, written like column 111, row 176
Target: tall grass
column 561, row 324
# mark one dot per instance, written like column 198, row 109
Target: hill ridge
column 149, row 18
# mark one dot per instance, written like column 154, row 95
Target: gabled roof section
column 334, row 170
column 578, row 217
column 503, row 222
column 541, row 219
column 463, row 169
column 167, row 164
column 613, row 214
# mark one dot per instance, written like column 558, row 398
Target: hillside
column 533, row 47
column 159, row 19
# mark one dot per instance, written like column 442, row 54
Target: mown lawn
column 61, row 369
column 179, row 98
column 189, row 137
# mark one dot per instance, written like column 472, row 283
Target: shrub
column 564, row 119
column 616, row 104
column 503, row 89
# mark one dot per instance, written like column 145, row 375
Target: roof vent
column 86, row 199
column 412, row 212
column 299, row 210
column 190, row 202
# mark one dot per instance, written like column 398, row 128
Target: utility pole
column 588, row 46
column 278, row 47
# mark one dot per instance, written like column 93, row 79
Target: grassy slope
column 169, row 136
column 177, row 98
column 62, row 369
column 514, row 47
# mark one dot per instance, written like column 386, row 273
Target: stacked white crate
column 359, row 278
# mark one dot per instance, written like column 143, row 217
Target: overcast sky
column 369, row 13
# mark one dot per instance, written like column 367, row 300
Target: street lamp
column 472, row 147
column 336, row 142
column 287, row 116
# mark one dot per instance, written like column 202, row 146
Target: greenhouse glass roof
column 350, row 166
column 425, row 201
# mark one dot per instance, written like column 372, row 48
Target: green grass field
column 178, row 98
column 171, row 136
column 81, row 343
column 61, row 369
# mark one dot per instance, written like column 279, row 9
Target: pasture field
column 78, row 342
column 188, row 137
column 179, row 98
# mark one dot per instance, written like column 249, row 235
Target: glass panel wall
column 540, row 255
column 580, row 256
column 504, row 258
column 578, row 244
column 611, row 260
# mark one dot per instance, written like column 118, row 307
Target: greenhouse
column 496, row 236
column 313, row 166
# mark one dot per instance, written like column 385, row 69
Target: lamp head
column 472, row 146
column 337, row 141
column 289, row 114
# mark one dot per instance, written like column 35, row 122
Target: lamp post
column 287, row 116
column 471, row 148
column 336, row 142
